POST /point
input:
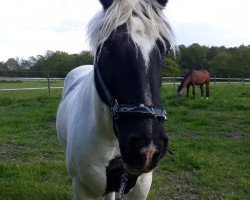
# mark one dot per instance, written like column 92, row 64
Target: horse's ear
column 162, row 2
column 106, row 3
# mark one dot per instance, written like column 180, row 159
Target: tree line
column 219, row 61
column 56, row 64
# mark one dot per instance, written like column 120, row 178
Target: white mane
column 120, row 12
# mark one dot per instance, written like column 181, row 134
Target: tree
column 193, row 57
column 219, row 61
column 3, row 70
column 219, row 64
column 171, row 68
column 12, row 64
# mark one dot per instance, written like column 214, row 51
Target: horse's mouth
column 137, row 171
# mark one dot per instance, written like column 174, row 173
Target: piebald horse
column 199, row 77
column 110, row 121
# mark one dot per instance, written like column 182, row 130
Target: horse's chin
column 135, row 171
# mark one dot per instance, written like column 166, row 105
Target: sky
column 31, row 27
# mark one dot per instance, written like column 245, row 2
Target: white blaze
column 141, row 38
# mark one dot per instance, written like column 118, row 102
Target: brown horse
column 193, row 78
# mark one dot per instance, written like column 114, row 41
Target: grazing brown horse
column 193, row 78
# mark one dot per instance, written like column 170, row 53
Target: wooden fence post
column 229, row 80
column 174, row 80
column 48, row 83
column 242, row 80
column 215, row 80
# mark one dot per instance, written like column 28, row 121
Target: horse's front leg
column 141, row 189
column 193, row 90
column 202, row 90
column 188, row 90
column 110, row 196
column 207, row 90
column 81, row 192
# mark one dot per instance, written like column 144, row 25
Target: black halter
column 128, row 109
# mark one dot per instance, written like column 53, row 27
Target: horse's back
column 207, row 75
column 74, row 75
column 200, row 76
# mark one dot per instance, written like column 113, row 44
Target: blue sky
column 31, row 27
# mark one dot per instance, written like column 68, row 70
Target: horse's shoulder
column 75, row 76
column 79, row 72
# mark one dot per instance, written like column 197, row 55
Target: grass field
column 29, row 84
column 210, row 140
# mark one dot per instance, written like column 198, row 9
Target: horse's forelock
column 120, row 12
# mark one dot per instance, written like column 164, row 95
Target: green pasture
column 210, row 140
column 29, row 84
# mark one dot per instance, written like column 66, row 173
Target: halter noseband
column 127, row 109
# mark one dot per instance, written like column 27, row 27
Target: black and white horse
column 110, row 121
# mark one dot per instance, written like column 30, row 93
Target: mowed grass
column 210, row 140
column 29, row 84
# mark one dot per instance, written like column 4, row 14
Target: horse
column 110, row 121
column 199, row 77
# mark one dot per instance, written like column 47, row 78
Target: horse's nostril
column 155, row 159
column 149, row 153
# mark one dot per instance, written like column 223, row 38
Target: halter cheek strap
column 124, row 110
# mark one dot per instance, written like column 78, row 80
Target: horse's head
column 129, row 40
column 180, row 91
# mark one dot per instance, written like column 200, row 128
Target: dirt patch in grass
column 176, row 187
column 236, row 135
column 24, row 154
column 182, row 189
column 9, row 152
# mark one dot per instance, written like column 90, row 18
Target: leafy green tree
column 219, row 64
column 219, row 61
column 12, row 64
column 3, row 70
column 193, row 57
column 171, row 68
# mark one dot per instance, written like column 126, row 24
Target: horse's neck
column 97, row 109
column 97, row 124
column 186, row 82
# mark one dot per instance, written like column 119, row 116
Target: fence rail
column 166, row 80
column 29, row 79
column 213, row 79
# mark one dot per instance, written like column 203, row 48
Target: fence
column 166, row 80
column 215, row 80
column 17, row 79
